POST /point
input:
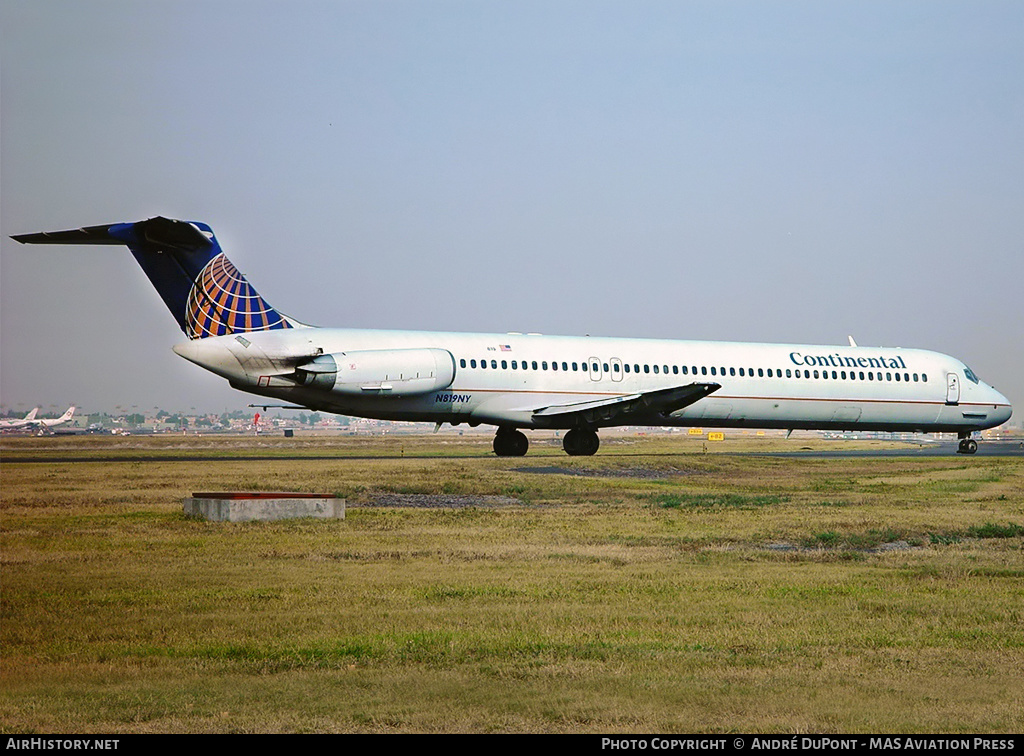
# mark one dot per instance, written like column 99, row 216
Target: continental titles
column 837, row 360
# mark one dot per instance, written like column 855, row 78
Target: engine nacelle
column 384, row 372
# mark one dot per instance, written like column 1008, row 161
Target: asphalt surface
column 943, row 449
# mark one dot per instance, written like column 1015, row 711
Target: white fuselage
column 502, row 379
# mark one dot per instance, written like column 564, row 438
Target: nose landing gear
column 967, row 444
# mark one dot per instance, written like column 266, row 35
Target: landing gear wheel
column 509, row 442
column 967, row 446
column 580, row 443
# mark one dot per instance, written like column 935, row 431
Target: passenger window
column 626, row 367
column 565, row 366
column 574, row 366
column 462, row 362
column 494, row 364
column 647, row 368
column 606, row 367
column 534, row 364
column 732, row 372
column 472, row 363
column 544, row 365
column 515, row 365
column 713, row 371
column 615, row 367
column 504, row 365
column 655, row 369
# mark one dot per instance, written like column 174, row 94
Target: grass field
column 651, row 588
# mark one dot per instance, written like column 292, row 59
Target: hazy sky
column 750, row 171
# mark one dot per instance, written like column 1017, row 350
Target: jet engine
column 383, row 372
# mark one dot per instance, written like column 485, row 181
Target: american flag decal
column 222, row 301
column 505, row 348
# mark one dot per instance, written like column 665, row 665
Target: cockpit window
column 969, row 374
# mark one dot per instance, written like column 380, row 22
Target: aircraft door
column 595, row 369
column 616, row 371
column 952, row 388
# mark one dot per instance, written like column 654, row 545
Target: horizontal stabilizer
column 158, row 232
column 88, row 235
column 207, row 295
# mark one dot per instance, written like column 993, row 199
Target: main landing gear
column 578, row 442
column 967, row 444
column 509, row 442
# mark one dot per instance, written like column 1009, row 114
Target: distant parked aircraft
column 516, row 381
column 27, row 420
column 46, row 424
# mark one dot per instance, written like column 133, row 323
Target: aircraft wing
column 619, row 409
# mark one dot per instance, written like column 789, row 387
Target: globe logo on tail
column 222, row 301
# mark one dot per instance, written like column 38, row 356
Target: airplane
column 520, row 381
column 12, row 423
column 45, row 424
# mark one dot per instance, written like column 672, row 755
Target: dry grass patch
column 642, row 590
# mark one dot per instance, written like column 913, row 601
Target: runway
column 941, row 449
column 1012, row 449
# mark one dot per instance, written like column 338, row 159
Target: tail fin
column 202, row 289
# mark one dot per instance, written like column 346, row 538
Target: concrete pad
column 245, row 506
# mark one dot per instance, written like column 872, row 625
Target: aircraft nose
column 1003, row 408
